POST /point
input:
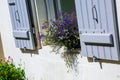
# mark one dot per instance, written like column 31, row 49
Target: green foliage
column 8, row 71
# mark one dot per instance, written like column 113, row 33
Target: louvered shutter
column 98, row 28
column 22, row 26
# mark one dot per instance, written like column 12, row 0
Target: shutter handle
column 12, row 4
column 17, row 16
column 94, row 12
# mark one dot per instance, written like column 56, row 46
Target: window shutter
column 22, row 26
column 98, row 28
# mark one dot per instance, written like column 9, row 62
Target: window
column 48, row 9
column 27, row 17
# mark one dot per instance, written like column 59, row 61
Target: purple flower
column 40, row 36
column 60, row 29
column 51, row 28
column 62, row 32
column 72, row 29
column 67, row 20
column 56, row 32
column 66, row 17
column 66, row 26
column 58, row 14
column 44, row 25
column 61, row 24
column 54, row 23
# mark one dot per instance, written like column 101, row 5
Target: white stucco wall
column 48, row 66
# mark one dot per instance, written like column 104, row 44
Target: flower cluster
column 63, row 31
column 8, row 71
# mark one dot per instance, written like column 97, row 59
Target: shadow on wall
column 31, row 52
column 104, row 61
column 71, row 59
column 100, row 61
column 1, row 48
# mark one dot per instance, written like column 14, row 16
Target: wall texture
column 49, row 66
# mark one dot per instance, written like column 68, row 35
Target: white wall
column 50, row 66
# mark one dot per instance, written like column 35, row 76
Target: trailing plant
column 8, row 70
column 62, row 32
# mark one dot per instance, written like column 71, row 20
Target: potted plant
column 8, row 71
column 62, row 32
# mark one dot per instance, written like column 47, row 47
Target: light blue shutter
column 98, row 28
column 22, row 27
